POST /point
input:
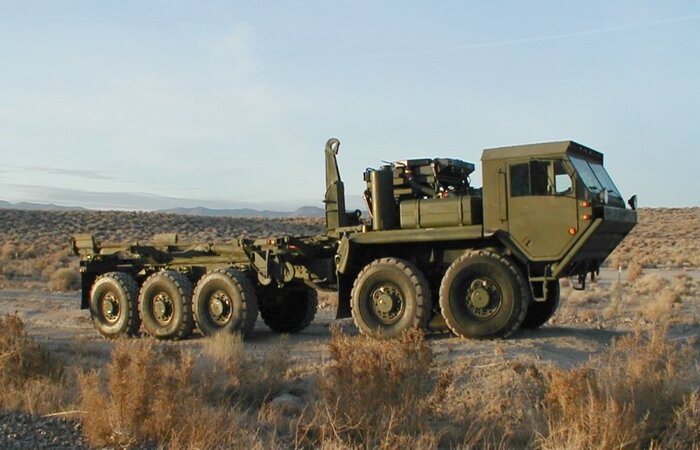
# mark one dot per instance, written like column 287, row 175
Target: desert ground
column 616, row 367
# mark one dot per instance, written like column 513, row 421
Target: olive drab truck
column 434, row 251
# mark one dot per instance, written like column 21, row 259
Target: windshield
column 594, row 176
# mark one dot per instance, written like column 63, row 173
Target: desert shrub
column 650, row 284
column 30, row 378
column 8, row 251
column 64, row 280
column 155, row 393
column 634, row 270
column 624, row 399
column 661, row 305
column 239, row 376
column 374, row 392
column 683, row 431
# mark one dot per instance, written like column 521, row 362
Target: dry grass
column 650, row 300
column 371, row 393
column 30, row 378
column 664, row 237
column 64, row 279
column 155, row 393
column 374, row 393
column 625, row 399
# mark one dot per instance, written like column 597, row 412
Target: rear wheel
column 164, row 305
column 224, row 300
column 389, row 296
column 483, row 295
column 288, row 310
column 540, row 312
column 113, row 305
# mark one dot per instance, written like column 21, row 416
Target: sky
column 227, row 104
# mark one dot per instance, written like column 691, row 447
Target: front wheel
column 483, row 295
column 389, row 296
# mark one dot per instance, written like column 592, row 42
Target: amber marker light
column 585, row 204
column 572, row 231
column 586, row 217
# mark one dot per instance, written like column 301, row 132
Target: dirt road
column 57, row 320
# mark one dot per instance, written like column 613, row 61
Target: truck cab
column 554, row 205
column 487, row 259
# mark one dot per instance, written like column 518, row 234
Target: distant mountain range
column 305, row 211
column 39, row 206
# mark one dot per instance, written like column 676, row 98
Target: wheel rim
column 483, row 298
column 387, row 303
column 110, row 308
column 162, row 308
column 220, row 307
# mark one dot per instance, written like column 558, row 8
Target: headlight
column 603, row 196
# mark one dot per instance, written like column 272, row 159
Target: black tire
column 224, row 300
column 390, row 296
column 483, row 295
column 113, row 305
column 288, row 310
column 164, row 305
column 538, row 313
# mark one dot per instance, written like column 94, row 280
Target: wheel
column 483, row 295
column 164, row 305
column 224, row 300
column 540, row 312
column 113, row 305
column 288, row 310
column 389, row 296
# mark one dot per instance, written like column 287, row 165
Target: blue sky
column 151, row 104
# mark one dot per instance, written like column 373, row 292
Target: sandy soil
column 568, row 340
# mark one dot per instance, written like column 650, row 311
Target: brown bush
column 241, row 377
column 684, row 430
column 624, row 399
column 634, row 270
column 374, row 393
column 30, row 378
column 8, row 251
column 64, row 280
column 153, row 393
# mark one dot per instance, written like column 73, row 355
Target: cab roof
column 546, row 149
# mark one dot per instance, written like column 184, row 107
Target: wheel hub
column 479, row 297
column 220, row 307
column 483, row 298
column 387, row 303
column 110, row 307
column 162, row 307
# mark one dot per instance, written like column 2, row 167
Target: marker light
column 585, row 204
column 586, row 217
column 572, row 231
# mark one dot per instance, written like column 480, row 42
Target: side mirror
column 632, row 202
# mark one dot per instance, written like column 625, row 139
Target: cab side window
column 530, row 178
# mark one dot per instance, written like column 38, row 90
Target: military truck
column 434, row 250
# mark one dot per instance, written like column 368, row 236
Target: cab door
column 543, row 215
